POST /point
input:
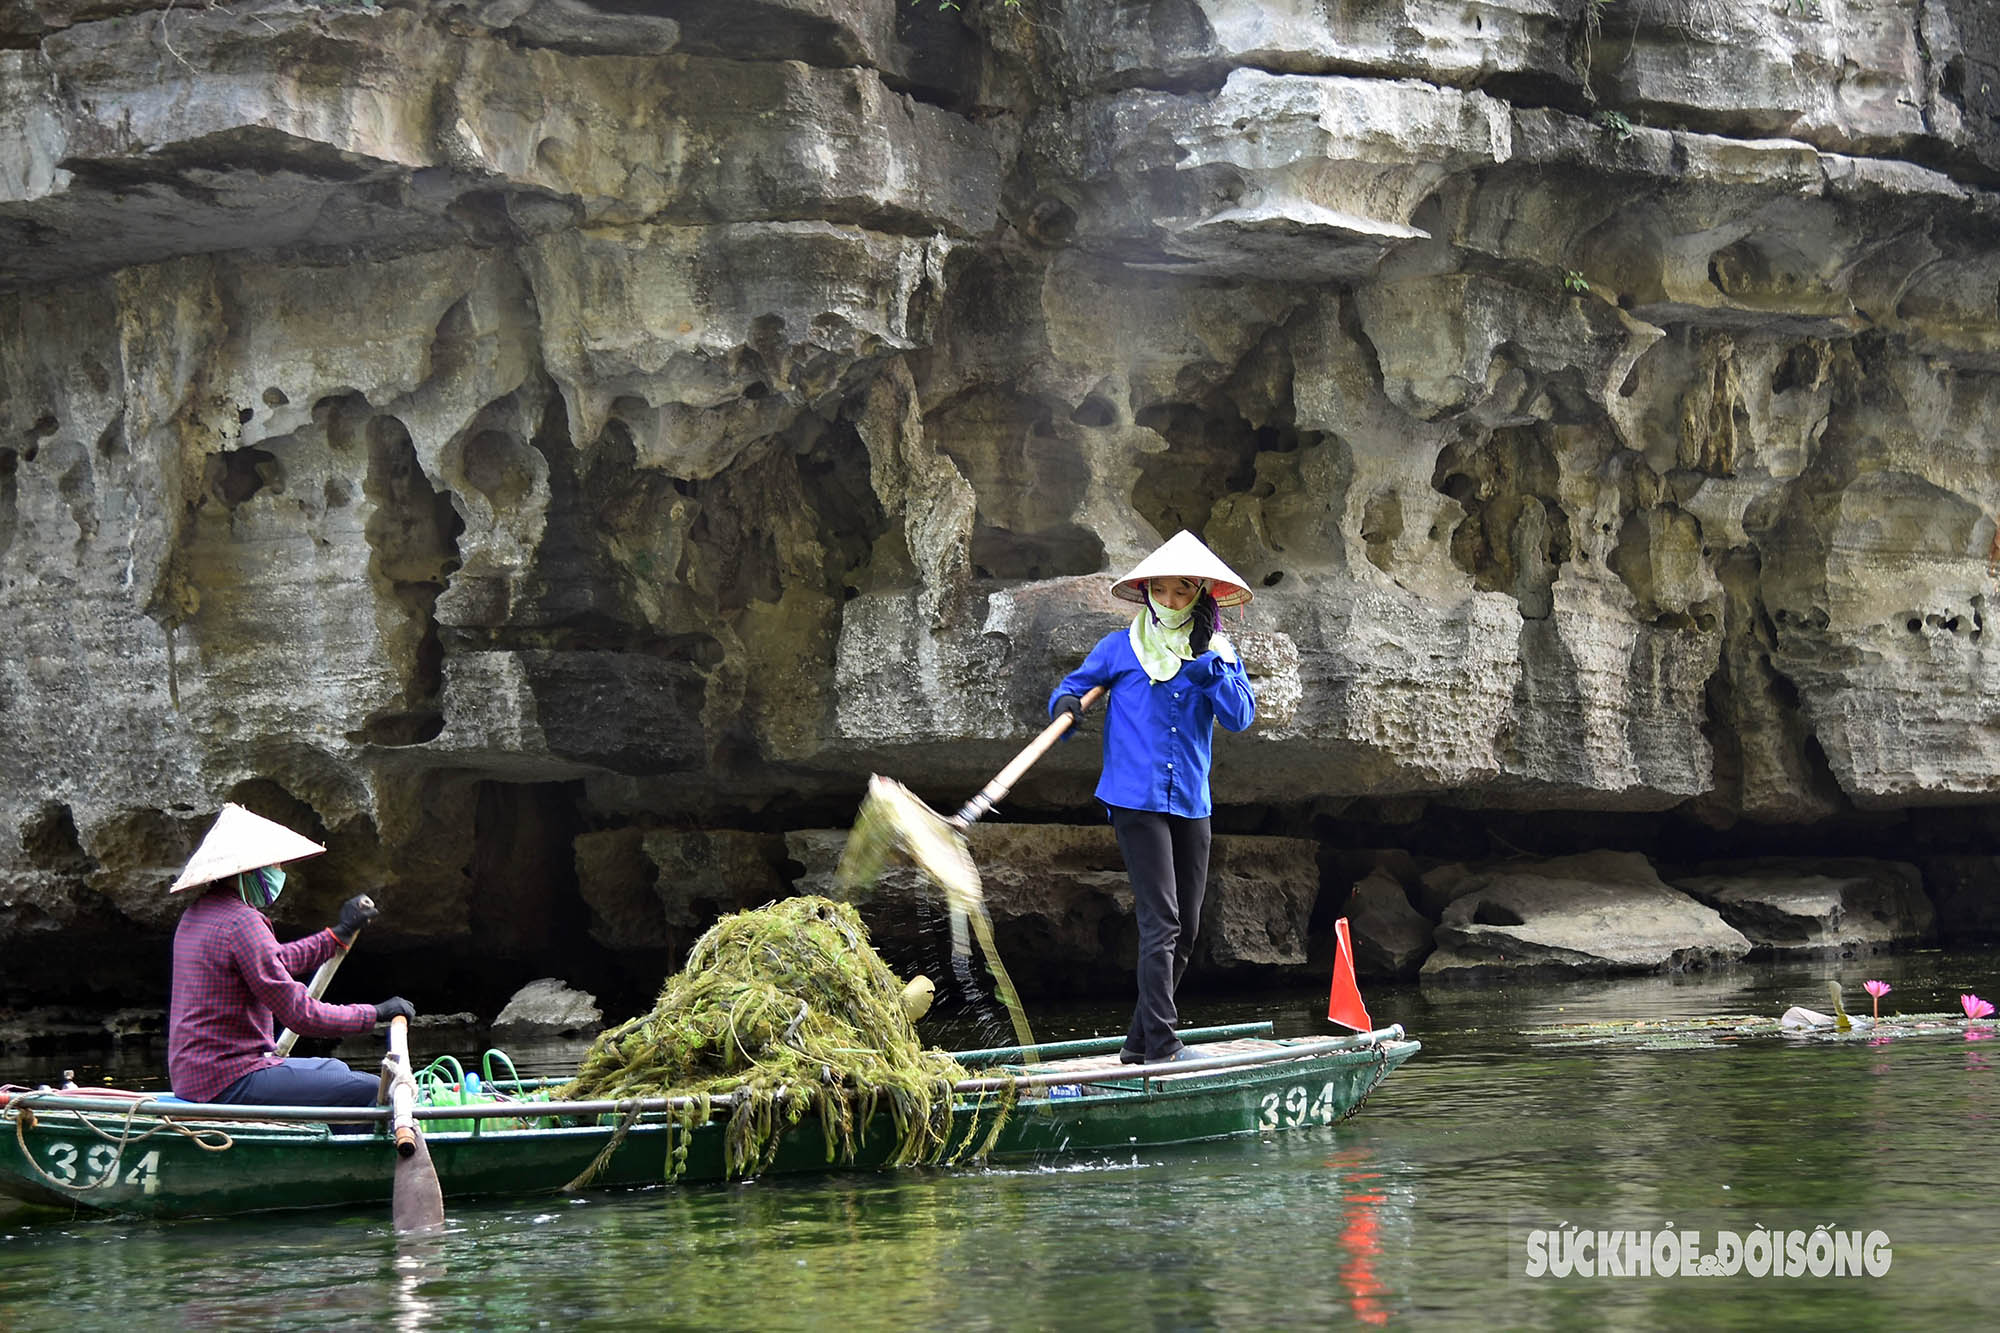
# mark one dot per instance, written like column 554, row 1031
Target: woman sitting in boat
column 232, row 977
column 1169, row 677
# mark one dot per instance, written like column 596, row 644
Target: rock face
column 548, row 450
column 549, row 1007
column 1606, row 912
column 1856, row 907
column 1061, row 905
column 1391, row 938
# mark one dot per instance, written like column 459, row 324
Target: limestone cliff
column 551, row 449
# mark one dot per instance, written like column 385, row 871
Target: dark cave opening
column 530, row 919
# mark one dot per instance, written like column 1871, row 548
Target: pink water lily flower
column 1976, row 1007
column 1877, row 989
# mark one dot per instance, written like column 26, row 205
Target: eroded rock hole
column 235, row 476
column 1381, row 528
column 1783, row 692
column 452, row 342
column 1804, row 367
column 50, row 842
column 413, row 550
column 528, row 904
column 1051, row 222
column 1515, row 536
column 1212, row 453
column 847, row 514
column 111, row 441
column 1001, row 554
column 9, row 465
column 1095, row 411
column 500, row 468
column 1028, row 480
column 619, row 527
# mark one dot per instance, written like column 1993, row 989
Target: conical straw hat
column 1183, row 556
column 241, row 841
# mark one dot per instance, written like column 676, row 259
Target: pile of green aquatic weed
column 786, row 1010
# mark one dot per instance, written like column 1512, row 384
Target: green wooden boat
column 151, row 1156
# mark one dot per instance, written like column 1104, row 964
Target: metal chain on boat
column 200, row 1136
column 1381, row 1073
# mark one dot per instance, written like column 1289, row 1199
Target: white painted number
column 146, row 1175
column 1293, row 1102
column 101, row 1166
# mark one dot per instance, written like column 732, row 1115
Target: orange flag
column 1344, row 1005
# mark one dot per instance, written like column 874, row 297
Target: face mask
column 260, row 888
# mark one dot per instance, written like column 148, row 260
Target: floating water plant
column 788, row 1010
column 1876, row 990
column 1975, row 1008
column 1735, row 1029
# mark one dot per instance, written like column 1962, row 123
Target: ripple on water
column 1402, row 1214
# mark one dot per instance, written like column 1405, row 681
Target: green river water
column 1414, row 1213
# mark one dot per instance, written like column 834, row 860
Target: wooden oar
column 317, row 987
column 417, row 1203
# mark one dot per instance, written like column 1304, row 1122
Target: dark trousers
column 303, row 1081
column 1167, row 858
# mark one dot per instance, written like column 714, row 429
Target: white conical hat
column 241, row 841
column 1183, row 556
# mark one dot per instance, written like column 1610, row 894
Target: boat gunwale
column 1158, row 1080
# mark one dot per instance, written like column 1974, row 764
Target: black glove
column 355, row 913
column 397, row 1007
column 1204, row 670
column 1071, row 707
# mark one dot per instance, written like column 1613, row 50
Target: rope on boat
column 208, row 1139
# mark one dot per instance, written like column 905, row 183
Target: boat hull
column 118, row 1161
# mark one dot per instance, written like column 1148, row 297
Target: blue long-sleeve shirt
column 1156, row 735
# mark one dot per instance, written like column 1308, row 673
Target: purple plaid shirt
column 231, row 976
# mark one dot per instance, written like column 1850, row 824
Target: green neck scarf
column 260, row 888
column 1160, row 638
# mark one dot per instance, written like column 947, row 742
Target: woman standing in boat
column 1169, row 677
column 232, row 977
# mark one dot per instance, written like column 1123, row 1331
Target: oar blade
column 418, row 1201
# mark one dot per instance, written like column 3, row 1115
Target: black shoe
column 1130, row 1057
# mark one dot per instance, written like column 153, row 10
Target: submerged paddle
column 417, row 1202
column 317, row 987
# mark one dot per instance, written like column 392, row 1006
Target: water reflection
column 1358, row 1246
column 419, row 1261
column 1400, row 1215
